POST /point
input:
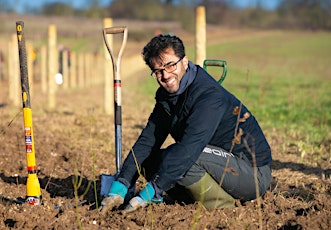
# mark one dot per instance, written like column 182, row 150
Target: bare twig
column 93, row 165
column 141, row 176
column 3, row 131
column 257, row 190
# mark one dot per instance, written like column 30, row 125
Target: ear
column 185, row 62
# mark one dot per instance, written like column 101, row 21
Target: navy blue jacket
column 205, row 113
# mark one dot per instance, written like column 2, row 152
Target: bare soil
column 75, row 143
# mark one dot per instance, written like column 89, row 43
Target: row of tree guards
column 73, row 70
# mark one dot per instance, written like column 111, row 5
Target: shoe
column 110, row 202
column 211, row 194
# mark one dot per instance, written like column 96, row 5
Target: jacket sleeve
column 204, row 117
column 151, row 137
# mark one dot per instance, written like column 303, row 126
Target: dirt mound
column 75, row 144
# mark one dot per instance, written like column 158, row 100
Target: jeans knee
column 185, row 182
column 191, row 177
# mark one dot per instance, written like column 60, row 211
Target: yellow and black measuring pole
column 32, row 185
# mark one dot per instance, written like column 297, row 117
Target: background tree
column 305, row 14
column 290, row 14
column 57, row 8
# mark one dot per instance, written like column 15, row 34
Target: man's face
column 169, row 81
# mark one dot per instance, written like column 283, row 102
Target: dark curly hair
column 159, row 44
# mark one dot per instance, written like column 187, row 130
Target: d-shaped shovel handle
column 220, row 63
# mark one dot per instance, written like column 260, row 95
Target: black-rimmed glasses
column 169, row 68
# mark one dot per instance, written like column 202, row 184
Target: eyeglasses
column 169, row 68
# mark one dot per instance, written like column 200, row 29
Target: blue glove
column 148, row 194
column 117, row 188
column 115, row 196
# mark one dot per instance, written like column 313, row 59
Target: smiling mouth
column 170, row 82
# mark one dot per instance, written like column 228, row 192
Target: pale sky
column 22, row 4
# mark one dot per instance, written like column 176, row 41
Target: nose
column 165, row 74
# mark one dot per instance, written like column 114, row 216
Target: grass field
column 285, row 80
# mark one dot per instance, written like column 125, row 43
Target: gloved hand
column 115, row 196
column 147, row 195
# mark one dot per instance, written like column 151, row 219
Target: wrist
column 118, row 188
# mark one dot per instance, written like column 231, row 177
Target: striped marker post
column 32, row 185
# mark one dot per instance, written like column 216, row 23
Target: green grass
column 285, row 80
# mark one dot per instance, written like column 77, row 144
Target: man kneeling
column 202, row 118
